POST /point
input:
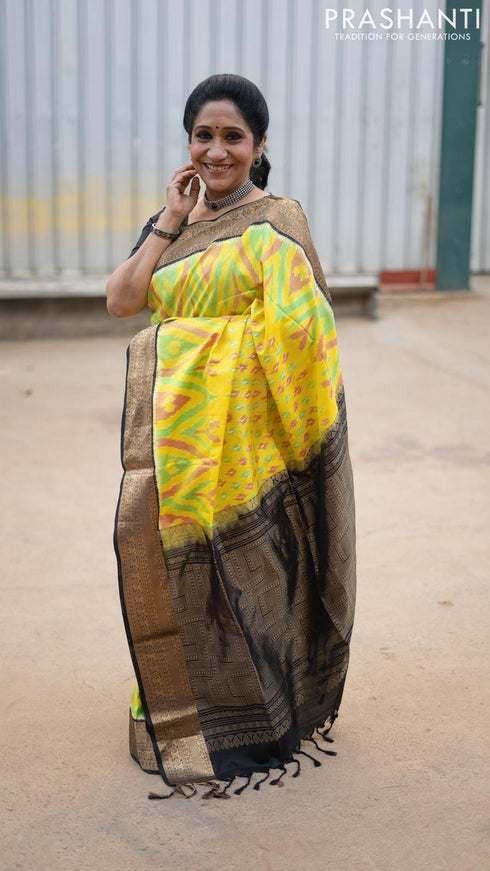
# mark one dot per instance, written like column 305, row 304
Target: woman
column 235, row 523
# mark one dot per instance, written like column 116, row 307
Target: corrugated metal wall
column 480, row 255
column 92, row 95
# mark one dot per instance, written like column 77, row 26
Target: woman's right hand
column 178, row 203
column 127, row 287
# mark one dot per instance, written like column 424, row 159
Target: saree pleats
column 235, row 524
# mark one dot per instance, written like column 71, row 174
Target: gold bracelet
column 163, row 233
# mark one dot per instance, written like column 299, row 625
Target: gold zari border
column 284, row 214
column 151, row 621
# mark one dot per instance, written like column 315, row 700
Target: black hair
column 249, row 102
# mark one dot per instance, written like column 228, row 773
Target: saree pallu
column 235, row 524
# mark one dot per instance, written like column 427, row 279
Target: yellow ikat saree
column 235, row 524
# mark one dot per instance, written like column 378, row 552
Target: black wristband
column 163, row 233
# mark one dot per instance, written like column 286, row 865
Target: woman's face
column 222, row 147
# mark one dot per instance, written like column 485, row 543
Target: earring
column 257, row 161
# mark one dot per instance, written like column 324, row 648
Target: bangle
column 163, row 233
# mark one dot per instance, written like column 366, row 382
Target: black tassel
column 180, row 789
column 257, row 785
column 332, row 721
column 278, row 779
column 320, row 749
column 325, row 737
column 316, row 762
column 213, row 792
column 155, row 795
column 225, row 791
column 298, row 770
column 241, row 788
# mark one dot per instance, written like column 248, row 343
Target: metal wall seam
column 434, row 160
column 108, row 98
column 264, row 54
column 484, row 218
column 480, row 255
column 333, row 259
column 186, row 43
column 55, row 134
column 134, row 107
column 386, row 162
column 160, row 73
column 239, row 37
column 82, row 133
column 411, row 132
column 4, row 141
column 313, row 106
column 288, row 93
column 30, row 112
column 361, row 210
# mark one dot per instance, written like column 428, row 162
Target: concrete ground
column 409, row 788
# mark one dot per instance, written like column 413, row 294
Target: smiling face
column 222, row 148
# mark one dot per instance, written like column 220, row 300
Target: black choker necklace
column 231, row 198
